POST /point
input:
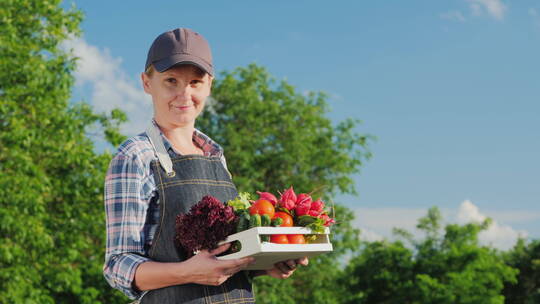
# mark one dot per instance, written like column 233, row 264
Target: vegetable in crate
column 255, row 221
column 243, row 222
column 265, row 220
column 296, row 238
column 268, row 197
column 306, row 212
column 279, row 239
column 287, row 220
column 241, row 202
column 276, row 222
column 289, row 210
column 206, row 224
column 262, row 206
column 287, row 199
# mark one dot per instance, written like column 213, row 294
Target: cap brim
column 177, row 59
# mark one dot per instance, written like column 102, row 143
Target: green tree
column 526, row 258
column 275, row 137
column 449, row 267
column 51, row 207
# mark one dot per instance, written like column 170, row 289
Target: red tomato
column 287, row 219
column 279, row 239
column 261, row 207
column 296, row 239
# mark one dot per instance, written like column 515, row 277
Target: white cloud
column 383, row 220
column 110, row 86
column 377, row 223
column 370, row 235
column 498, row 235
column 453, row 16
column 468, row 212
column 495, row 8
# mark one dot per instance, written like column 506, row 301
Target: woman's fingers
column 213, row 271
column 220, row 249
column 302, row 261
column 283, row 267
column 231, row 267
column 238, row 263
column 291, row 264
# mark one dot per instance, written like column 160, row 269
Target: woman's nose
column 184, row 92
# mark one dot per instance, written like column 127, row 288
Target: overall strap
column 195, row 176
column 164, row 159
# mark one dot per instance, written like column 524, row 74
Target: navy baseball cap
column 180, row 46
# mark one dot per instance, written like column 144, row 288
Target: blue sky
column 449, row 88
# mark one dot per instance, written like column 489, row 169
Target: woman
column 162, row 172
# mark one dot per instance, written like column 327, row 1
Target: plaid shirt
column 131, row 213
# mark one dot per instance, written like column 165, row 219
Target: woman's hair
column 149, row 70
column 198, row 71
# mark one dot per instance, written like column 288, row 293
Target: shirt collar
column 203, row 141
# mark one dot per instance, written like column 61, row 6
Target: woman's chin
column 182, row 121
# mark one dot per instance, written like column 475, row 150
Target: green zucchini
column 255, row 221
column 243, row 222
column 265, row 220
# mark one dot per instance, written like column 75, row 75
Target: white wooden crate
column 266, row 254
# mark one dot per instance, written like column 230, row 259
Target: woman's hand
column 206, row 269
column 285, row 269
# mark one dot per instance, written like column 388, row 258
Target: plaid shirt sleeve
column 126, row 206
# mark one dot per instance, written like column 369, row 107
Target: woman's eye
column 171, row 80
column 196, row 82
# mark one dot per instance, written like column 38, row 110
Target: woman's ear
column 145, row 79
column 211, row 80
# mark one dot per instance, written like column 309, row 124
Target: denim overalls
column 181, row 182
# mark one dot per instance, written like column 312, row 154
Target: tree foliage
column 51, row 182
column 449, row 267
column 51, row 210
column 525, row 258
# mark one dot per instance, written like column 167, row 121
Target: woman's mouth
column 182, row 107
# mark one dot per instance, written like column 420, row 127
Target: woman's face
column 178, row 94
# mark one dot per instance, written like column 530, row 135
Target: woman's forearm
column 153, row 275
column 203, row 268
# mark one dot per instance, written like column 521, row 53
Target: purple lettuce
column 207, row 223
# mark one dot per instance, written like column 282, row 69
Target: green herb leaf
column 317, row 226
column 241, row 202
column 284, row 210
column 305, row 220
